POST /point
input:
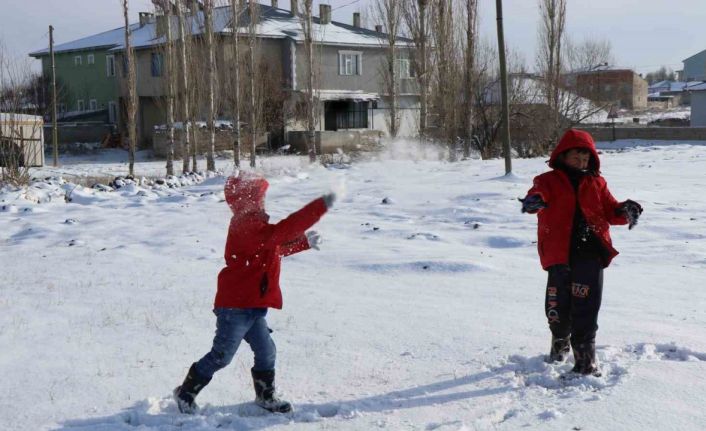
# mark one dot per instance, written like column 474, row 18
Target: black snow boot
column 185, row 395
column 264, row 382
column 559, row 350
column 585, row 359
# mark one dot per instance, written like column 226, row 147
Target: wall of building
column 84, row 81
column 694, row 133
column 698, row 109
column 370, row 79
column 695, row 68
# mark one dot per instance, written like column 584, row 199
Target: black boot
column 185, row 395
column 559, row 350
column 264, row 382
column 585, row 359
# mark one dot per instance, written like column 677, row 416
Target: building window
column 79, row 105
column 112, row 112
column 157, row 63
column 78, row 60
column 405, row 68
column 110, row 65
column 62, row 108
column 350, row 63
column 93, row 105
column 90, row 59
column 345, row 114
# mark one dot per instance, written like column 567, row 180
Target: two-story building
column 349, row 64
column 623, row 87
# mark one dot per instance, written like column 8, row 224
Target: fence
column 647, row 133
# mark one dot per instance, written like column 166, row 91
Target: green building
column 86, row 77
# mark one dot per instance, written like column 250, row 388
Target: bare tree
column 184, row 41
column 198, row 87
column 389, row 12
column 445, row 82
column 588, row 54
column 131, row 84
column 211, row 82
column 416, row 17
column 254, row 13
column 470, row 53
column 235, row 79
column 305, row 17
column 550, row 55
column 170, row 76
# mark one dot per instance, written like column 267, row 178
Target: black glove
column 533, row 203
column 631, row 210
column 329, row 199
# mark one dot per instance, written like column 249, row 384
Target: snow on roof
column 274, row 23
column 10, row 117
column 346, row 95
column 107, row 39
column 701, row 86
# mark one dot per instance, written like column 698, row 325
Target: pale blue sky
column 644, row 33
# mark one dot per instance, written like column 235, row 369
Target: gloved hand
column 533, row 203
column 314, row 239
column 631, row 210
column 329, row 199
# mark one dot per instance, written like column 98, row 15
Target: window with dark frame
column 157, row 64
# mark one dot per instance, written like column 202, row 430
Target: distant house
column 670, row 93
column 695, row 67
column 350, row 58
column 607, row 85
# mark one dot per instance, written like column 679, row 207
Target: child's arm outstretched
column 617, row 213
column 291, row 229
column 536, row 198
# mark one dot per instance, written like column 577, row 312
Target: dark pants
column 573, row 299
column 232, row 326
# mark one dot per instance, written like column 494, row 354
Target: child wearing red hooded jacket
column 575, row 210
column 249, row 285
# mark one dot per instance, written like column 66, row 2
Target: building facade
column 623, row 87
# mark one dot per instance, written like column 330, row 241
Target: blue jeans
column 232, row 326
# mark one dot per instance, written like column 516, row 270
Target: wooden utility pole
column 505, row 129
column 54, row 131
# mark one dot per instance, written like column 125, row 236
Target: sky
column 644, row 34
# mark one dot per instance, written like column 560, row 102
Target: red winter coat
column 254, row 247
column 556, row 221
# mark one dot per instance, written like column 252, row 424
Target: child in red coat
column 575, row 210
column 249, row 285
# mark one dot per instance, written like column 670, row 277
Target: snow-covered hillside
column 421, row 313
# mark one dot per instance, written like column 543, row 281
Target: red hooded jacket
column 254, row 247
column 556, row 221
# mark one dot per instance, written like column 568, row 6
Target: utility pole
column 505, row 129
column 54, row 137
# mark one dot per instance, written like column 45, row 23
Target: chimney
column 356, row 19
column 378, row 28
column 275, row 4
column 145, row 18
column 325, row 14
column 295, row 7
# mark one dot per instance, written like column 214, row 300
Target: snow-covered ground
column 425, row 313
column 650, row 115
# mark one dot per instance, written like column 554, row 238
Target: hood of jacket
column 574, row 138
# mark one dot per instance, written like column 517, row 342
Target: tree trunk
column 310, row 100
column 252, row 66
column 183, row 40
column 471, row 35
column 235, row 8
column 131, row 105
column 211, row 79
column 171, row 78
